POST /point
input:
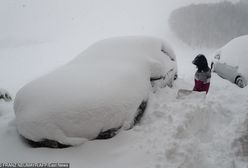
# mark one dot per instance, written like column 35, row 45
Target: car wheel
column 44, row 143
column 108, row 134
column 240, row 82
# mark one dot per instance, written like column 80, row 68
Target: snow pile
column 99, row 90
column 196, row 132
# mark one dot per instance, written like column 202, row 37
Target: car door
column 224, row 69
column 230, row 72
column 227, row 71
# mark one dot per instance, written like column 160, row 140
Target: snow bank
column 195, row 131
column 100, row 89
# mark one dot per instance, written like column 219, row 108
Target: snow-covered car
column 103, row 89
column 230, row 62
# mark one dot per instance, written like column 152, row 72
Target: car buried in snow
column 230, row 62
column 103, row 89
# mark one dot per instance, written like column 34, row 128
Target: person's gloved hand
column 4, row 94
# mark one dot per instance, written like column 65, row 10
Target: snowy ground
column 192, row 132
column 174, row 133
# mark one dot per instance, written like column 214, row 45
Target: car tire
column 47, row 143
column 108, row 134
column 240, row 81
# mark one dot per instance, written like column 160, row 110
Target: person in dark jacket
column 202, row 75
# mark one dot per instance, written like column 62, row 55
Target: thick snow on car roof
column 99, row 90
column 235, row 53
